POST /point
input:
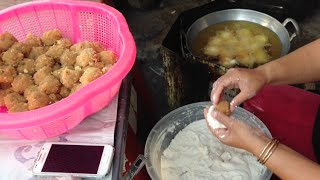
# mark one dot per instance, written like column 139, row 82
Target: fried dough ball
column 54, row 98
column 99, row 65
column 76, row 88
column 215, row 41
column 211, row 50
column 68, row 58
column 87, row 57
column 244, row 34
column 103, row 67
column 36, row 52
column 57, row 73
column 27, row 66
column 97, row 47
column 5, row 85
column 7, row 74
column 84, row 45
column 108, row 57
column 55, row 51
column 21, row 82
column 64, row 42
column 30, row 90
column 70, row 77
column 261, row 56
column 245, row 58
column 36, row 99
column 64, row 92
column 90, row 74
column 22, row 47
column 12, row 57
column 50, row 68
column 56, row 67
column 225, row 35
column 223, row 107
column 51, row 37
column 41, row 74
column 50, row 85
column 6, row 41
column 261, row 40
column 226, row 61
column 4, row 93
column 33, row 41
column 44, row 60
column 12, row 99
column 19, row 107
column 238, row 47
column 107, row 68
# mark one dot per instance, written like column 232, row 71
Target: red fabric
column 289, row 113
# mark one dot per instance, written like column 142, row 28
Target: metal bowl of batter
column 170, row 125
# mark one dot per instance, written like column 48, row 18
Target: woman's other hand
column 237, row 133
column 249, row 81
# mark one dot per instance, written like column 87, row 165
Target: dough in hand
column 223, row 107
column 213, row 123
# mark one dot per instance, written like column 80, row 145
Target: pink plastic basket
column 79, row 21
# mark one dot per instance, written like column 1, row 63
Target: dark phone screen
column 73, row 159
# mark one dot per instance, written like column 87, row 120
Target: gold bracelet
column 268, row 150
column 275, row 145
column 263, row 151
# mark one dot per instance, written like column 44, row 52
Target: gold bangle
column 268, row 150
column 262, row 154
column 275, row 145
column 263, row 151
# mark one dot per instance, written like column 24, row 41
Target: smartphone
column 73, row 159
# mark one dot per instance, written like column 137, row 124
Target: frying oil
column 202, row 38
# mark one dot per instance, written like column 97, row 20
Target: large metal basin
column 163, row 132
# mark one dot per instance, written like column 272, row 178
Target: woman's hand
column 237, row 133
column 249, row 81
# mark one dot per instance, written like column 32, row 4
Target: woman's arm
column 300, row 66
column 285, row 162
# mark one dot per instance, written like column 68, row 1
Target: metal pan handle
column 135, row 168
column 183, row 39
column 296, row 26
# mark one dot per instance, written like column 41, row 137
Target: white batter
column 213, row 123
column 196, row 154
